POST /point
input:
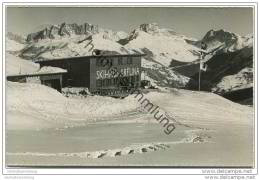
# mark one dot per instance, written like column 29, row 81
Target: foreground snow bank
column 38, row 106
column 201, row 109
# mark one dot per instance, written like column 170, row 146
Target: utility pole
column 199, row 73
column 20, row 69
column 202, row 55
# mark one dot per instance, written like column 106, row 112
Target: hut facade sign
column 113, row 73
column 100, row 77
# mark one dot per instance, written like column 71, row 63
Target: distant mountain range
column 229, row 60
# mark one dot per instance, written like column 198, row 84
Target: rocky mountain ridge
column 164, row 49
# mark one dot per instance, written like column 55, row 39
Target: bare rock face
column 220, row 35
column 62, row 30
column 213, row 37
column 227, row 41
column 149, row 28
column 152, row 29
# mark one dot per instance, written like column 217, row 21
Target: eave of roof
column 78, row 57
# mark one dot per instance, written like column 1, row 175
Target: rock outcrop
column 230, row 41
column 62, row 30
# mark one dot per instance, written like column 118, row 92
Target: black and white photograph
column 129, row 86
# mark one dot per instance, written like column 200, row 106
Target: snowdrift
column 37, row 106
column 201, row 109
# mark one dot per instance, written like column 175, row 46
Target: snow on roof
column 16, row 65
column 44, row 71
column 50, row 70
column 77, row 57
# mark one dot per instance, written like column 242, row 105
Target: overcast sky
column 190, row 21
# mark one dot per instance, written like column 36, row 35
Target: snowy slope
column 37, row 106
column 14, row 42
column 12, row 45
column 163, row 44
column 160, row 75
column 162, row 47
column 243, row 79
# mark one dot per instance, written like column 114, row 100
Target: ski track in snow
column 193, row 136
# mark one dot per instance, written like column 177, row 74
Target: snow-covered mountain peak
column 162, row 48
column 112, row 35
column 155, row 29
column 64, row 30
